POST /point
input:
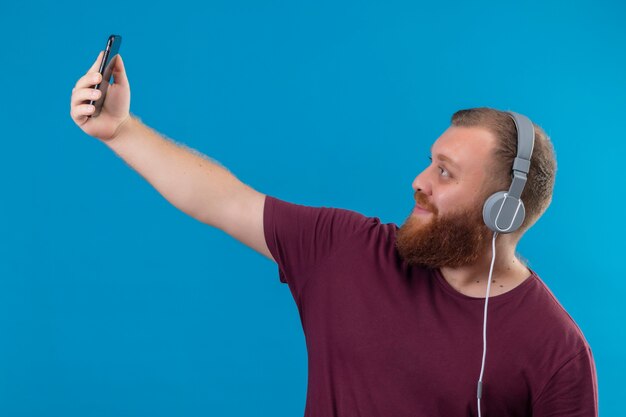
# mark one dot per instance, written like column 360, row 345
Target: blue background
column 114, row 303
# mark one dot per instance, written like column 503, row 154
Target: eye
column 444, row 172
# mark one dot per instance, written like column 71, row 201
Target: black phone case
column 106, row 69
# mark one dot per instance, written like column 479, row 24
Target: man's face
column 450, row 231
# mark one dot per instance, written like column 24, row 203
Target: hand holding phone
column 98, row 107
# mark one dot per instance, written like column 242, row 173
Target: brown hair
column 537, row 193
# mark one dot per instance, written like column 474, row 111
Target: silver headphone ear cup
column 519, row 218
column 490, row 213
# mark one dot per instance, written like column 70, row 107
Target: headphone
column 503, row 211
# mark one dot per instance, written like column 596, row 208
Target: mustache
column 422, row 200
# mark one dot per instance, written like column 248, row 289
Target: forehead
column 469, row 147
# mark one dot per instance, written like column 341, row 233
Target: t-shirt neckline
column 521, row 288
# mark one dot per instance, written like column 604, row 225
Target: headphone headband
column 525, row 145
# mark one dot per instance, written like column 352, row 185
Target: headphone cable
column 482, row 367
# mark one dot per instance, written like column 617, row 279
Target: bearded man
column 392, row 315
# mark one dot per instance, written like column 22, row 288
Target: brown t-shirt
column 386, row 339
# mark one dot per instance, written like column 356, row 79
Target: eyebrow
column 448, row 160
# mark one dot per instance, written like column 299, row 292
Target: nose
column 422, row 183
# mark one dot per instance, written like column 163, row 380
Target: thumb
column 96, row 64
column 119, row 72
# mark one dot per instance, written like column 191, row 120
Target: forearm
column 190, row 182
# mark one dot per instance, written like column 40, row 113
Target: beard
column 453, row 240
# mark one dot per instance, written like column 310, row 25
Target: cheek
column 448, row 200
column 454, row 201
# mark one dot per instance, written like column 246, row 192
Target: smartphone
column 106, row 69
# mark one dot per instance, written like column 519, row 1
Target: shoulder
column 554, row 331
column 330, row 219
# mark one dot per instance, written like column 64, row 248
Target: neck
column 508, row 271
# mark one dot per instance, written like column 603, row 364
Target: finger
column 84, row 94
column 80, row 113
column 96, row 65
column 119, row 72
column 88, row 80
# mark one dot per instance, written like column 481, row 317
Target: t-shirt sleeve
column 301, row 237
column 572, row 391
